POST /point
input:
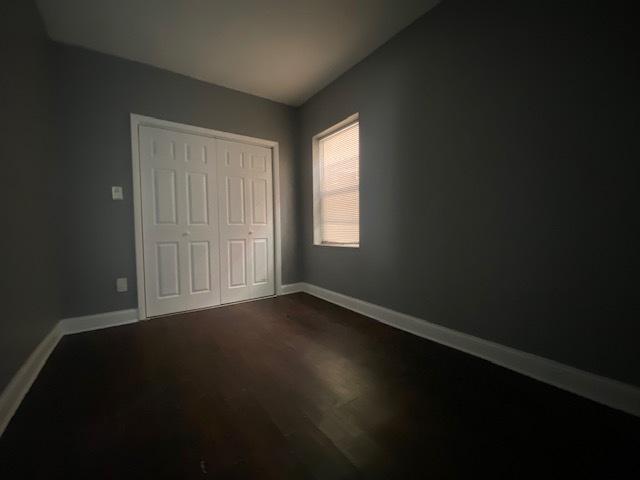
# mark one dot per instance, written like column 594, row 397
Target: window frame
column 317, row 236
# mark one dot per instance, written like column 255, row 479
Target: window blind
column 338, row 189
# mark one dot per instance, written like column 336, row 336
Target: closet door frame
column 140, row 120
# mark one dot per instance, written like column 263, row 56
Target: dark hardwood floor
column 294, row 387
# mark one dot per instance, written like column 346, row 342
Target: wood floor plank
column 296, row 388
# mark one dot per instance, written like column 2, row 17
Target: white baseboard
column 21, row 382
column 87, row 323
column 601, row 389
column 291, row 288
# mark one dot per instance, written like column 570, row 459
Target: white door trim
column 137, row 121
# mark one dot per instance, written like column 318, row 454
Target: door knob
column 186, row 234
column 250, row 233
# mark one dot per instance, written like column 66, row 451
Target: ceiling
column 284, row 50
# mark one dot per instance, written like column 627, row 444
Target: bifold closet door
column 246, row 221
column 180, row 221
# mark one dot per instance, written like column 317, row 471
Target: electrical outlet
column 121, row 284
column 116, row 193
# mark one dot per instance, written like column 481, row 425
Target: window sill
column 339, row 245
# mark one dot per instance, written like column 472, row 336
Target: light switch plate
column 116, row 193
column 121, row 284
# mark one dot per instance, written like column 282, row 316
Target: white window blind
column 338, row 187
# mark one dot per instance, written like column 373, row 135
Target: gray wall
column 97, row 93
column 498, row 194
column 27, row 154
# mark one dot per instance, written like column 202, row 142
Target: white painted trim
column 137, row 215
column 21, row 382
column 139, row 120
column 98, row 321
column 595, row 387
column 277, row 244
column 600, row 389
column 292, row 288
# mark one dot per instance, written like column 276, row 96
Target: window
column 336, row 179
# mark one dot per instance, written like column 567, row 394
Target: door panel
column 260, row 261
column 235, row 201
column 197, row 198
column 237, row 264
column 246, row 209
column 168, row 269
column 199, row 263
column 164, row 193
column 259, row 201
column 180, row 221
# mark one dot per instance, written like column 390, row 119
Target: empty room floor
column 295, row 387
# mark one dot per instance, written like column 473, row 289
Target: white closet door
column 246, row 221
column 180, row 221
